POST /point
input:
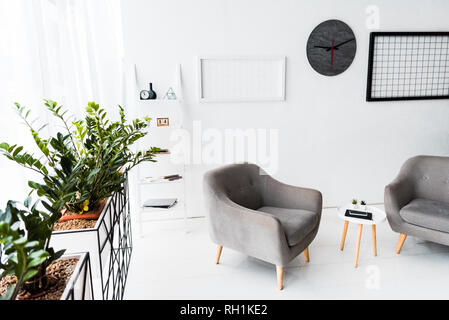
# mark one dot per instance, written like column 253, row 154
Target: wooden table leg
column 374, row 240
column 343, row 238
column 359, row 237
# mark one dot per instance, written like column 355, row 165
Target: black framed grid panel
column 408, row 66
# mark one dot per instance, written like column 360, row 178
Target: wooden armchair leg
column 401, row 241
column 280, row 276
column 306, row 254
column 217, row 260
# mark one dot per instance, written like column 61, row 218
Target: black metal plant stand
column 109, row 244
column 118, row 242
column 80, row 287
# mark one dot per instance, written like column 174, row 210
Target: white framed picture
column 241, row 78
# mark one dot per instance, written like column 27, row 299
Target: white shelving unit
column 160, row 137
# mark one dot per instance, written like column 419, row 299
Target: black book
column 359, row 214
column 160, row 203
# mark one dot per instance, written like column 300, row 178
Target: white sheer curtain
column 70, row 51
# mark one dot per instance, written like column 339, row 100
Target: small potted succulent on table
column 363, row 205
column 355, row 204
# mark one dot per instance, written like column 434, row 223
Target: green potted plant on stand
column 30, row 268
column 84, row 178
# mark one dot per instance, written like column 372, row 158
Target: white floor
column 168, row 263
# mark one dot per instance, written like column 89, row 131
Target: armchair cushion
column 297, row 223
column 426, row 213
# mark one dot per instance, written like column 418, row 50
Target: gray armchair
column 417, row 201
column 253, row 213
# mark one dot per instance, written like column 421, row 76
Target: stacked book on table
column 359, row 214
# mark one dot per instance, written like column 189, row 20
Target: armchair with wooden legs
column 417, row 201
column 253, row 213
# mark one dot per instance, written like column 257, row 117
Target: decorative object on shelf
column 170, row 94
column 162, row 122
column 331, row 47
column 408, row 66
column 148, row 94
column 173, row 177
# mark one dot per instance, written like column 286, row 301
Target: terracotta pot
column 90, row 215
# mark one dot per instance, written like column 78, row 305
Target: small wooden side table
column 379, row 216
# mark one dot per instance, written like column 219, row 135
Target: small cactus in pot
column 363, row 205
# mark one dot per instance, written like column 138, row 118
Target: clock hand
column 344, row 42
column 335, row 47
column 327, row 48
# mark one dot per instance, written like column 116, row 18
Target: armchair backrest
column 429, row 176
column 241, row 183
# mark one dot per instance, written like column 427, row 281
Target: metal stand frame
column 109, row 244
column 119, row 241
column 83, row 274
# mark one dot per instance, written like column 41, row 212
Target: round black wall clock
column 331, row 47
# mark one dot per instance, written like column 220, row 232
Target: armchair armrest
column 397, row 194
column 278, row 194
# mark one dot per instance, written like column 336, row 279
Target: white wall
column 330, row 137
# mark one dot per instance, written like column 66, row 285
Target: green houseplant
column 84, row 164
column 80, row 167
column 25, row 233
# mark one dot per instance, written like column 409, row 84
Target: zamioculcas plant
column 80, row 166
column 25, row 233
column 106, row 154
column 86, row 163
column 58, row 164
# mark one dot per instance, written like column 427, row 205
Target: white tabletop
column 379, row 215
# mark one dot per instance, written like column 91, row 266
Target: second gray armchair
column 253, row 213
column 417, row 201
